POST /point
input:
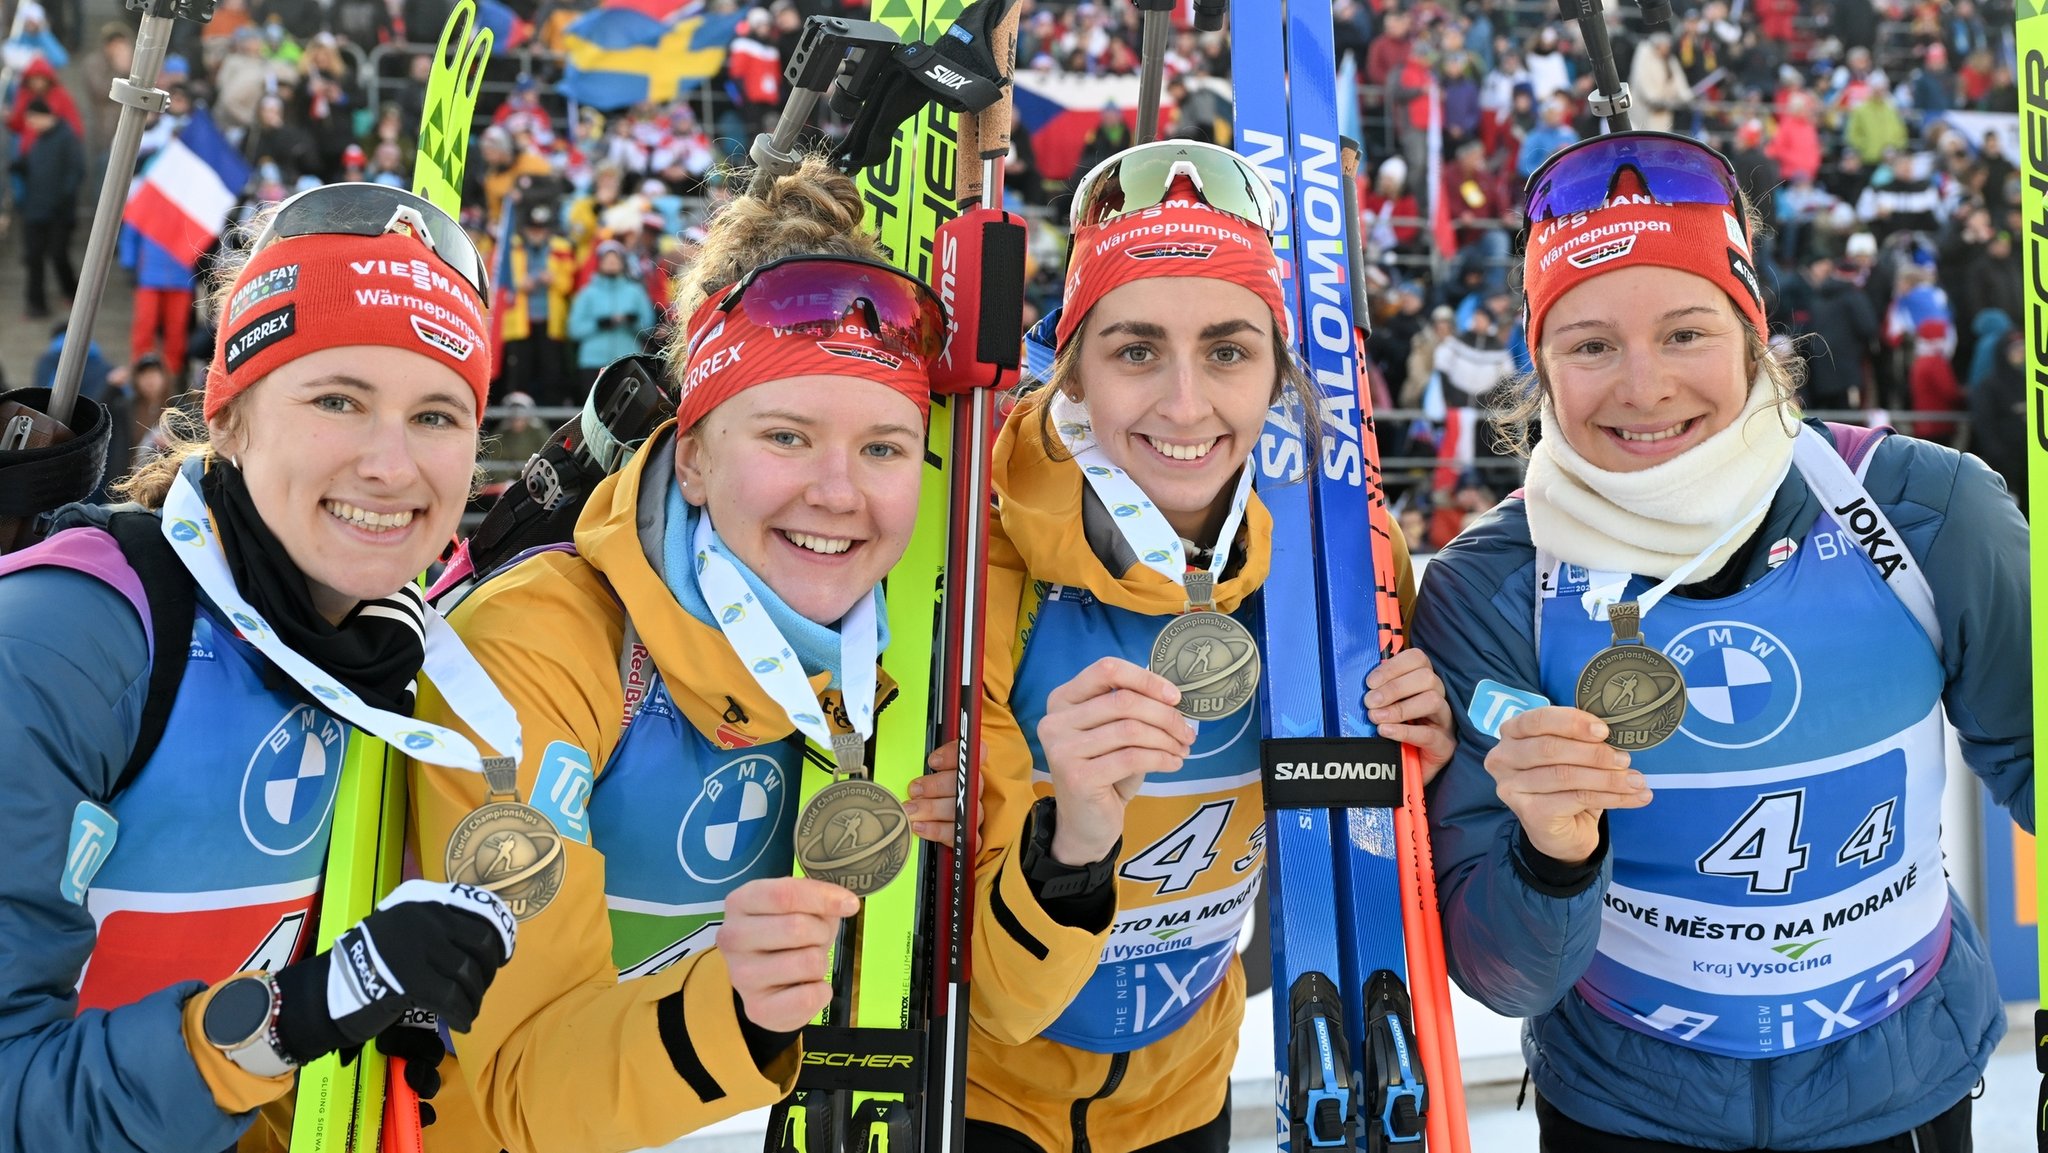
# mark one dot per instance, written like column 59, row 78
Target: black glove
column 428, row 946
column 417, row 1038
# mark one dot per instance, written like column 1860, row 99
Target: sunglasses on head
column 1587, row 176
column 353, row 209
column 818, row 295
column 1140, row 178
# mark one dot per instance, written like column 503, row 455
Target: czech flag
column 622, row 56
column 182, row 202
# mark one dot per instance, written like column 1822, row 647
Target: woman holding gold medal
column 1702, row 852
column 162, row 868
column 711, row 638
column 1122, row 776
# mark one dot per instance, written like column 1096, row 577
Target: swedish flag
column 620, row 57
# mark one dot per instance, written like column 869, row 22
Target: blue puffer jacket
column 1518, row 937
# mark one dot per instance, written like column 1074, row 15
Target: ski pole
column 1153, row 31
column 832, row 51
column 56, row 453
column 980, row 260
column 1610, row 99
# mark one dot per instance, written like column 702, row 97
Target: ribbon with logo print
column 456, row 674
column 1143, row 527
column 773, row 664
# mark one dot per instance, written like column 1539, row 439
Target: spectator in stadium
column 1657, row 84
column 1550, row 69
column 1875, row 126
column 163, row 300
column 520, row 433
column 1389, row 50
column 52, row 171
column 275, row 140
column 1998, row 414
column 1934, row 86
column 1393, row 222
column 1111, row 135
column 505, row 161
column 608, row 316
column 1554, row 132
column 1845, row 334
column 1933, row 386
column 541, row 272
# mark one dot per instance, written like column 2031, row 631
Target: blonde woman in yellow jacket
column 676, row 958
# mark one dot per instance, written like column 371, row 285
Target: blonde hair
column 816, row 210
column 186, row 437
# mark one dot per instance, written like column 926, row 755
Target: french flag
column 183, row 201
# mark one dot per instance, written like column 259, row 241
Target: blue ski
column 1336, row 1090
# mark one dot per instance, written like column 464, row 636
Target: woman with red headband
column 1702, row 854
column 161, row 867
column 711, row 638
column 1126, row 507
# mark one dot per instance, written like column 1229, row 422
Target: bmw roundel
column 289, row 785
column 1742, row 685
column 744, row 807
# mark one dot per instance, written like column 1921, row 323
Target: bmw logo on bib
column 743, row 808
column 288, row 788
column 1742, row 684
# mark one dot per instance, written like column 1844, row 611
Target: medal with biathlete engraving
column 1637, row 690
column 853, row 833
column 508, row 847
column 1209, row 657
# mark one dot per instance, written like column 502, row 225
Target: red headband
column 1181, row 237
column 1704, row 239
column 306, row 293
column 729, row 353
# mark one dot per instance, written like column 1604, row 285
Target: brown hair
column 1517, row 416
column 185, row 438
column 815, row 210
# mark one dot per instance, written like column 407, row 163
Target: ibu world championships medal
column 1209, row 657
column 855, row 834
column 1637, row 690
column 508, row 847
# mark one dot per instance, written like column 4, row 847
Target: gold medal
column 508, row 847
column 1209, row 657
column 855, row 834
column 1637, row 690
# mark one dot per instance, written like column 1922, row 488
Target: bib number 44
column 1764, row 847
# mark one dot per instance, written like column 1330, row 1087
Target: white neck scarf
column 1658, row 519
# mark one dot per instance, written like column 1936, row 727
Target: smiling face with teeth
column 1177, row 373
column 359, row 459
column 1643, row 363
column 812, row 482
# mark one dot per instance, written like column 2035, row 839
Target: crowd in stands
column 1855, row 126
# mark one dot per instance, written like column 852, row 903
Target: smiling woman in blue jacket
column 1692, row 830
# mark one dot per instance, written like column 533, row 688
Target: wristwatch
column 241, row 1021
column 1050, row 879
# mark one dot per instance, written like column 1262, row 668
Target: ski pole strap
column 980, row 256
column 1331, row 772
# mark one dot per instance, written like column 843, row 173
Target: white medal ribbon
column 1143, row 526
column 457, row 676
column 1605, row 588
column 765, row 652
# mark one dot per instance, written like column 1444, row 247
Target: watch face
column 239, row 1010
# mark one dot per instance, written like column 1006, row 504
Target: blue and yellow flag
column 619, row 56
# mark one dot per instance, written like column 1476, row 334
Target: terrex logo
column 863, row 352
column 711, row 366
